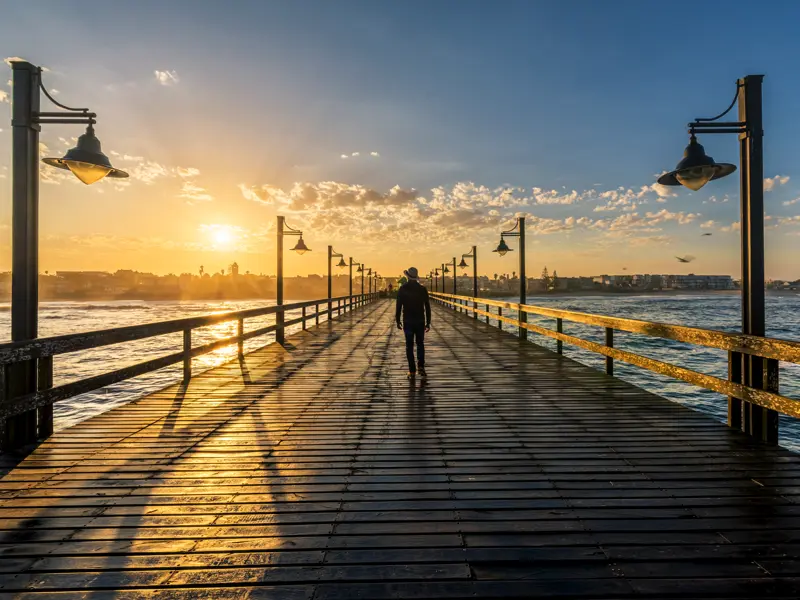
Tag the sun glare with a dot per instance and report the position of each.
(222, 237)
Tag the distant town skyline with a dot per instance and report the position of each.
(402, 133)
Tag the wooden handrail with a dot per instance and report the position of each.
(42, 350)
(771, 349)
(785, 350)
(11, 352)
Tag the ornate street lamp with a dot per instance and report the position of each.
(694, 171)
(463, 264)
(331, 255)
(301, 248)
(352, 264)
(88, 163)
(502, 248)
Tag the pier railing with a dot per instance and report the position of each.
(753, 408)
(25, 418)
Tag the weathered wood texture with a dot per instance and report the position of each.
(318, 472)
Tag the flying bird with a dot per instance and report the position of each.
(624, 268)
(702, 234)
(685, 259)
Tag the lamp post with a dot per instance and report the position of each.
(301, 248)
(502, 248)
(341, 264)
(694, 171)
(88, 163)
(352, 264)
(369, 279)
(436, 280)
(455, 277)
(463, 264)
(445, 271)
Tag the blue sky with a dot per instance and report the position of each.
(473, 105)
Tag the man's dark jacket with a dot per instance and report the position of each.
(413, 303)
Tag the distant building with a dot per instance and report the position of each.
(699, 282)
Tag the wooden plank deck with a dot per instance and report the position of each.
(319, 472)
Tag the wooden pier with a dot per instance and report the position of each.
(317, 471)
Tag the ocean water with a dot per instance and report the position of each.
(60, 318)
(713, 311)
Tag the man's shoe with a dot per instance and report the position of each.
(422, 372)
(411, 374)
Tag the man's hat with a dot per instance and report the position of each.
(411, 273)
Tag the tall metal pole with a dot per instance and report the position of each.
(757, 421)
(279, 319)
(330, 281)
(362, 282)
(444, 280)
(523, 316)
(475, 277)
(455, 289)
(350, 287)
(21, 429)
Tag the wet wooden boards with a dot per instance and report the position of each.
(318, 471)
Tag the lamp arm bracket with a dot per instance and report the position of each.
(56, 102)
(727, 110)
(290, 230)
(511, 232)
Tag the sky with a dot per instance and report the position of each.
(404, 132)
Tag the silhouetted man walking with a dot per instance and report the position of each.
(415, 307)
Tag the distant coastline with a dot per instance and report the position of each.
(484, 294)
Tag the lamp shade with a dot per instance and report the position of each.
(463, 264)
(341, 264)
(360, 269)
(86, 160)
(445, 270)
(301, 247)
(696, 168)
(502, 248)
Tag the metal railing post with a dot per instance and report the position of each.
(499, 314)
(769, 432)
(304, 318)
(240, 335)
(45, 382)
(187, 355)
(734, 376)
(560, 329)
(316, 314)
(609, 344)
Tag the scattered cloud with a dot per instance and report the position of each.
(375, 154)
(3, 96)
(166, 77)
(708, 224)
(187, 172)
(541, 196)
(54, 92)
(193, 193)
(12, 59)
(735, 226)
(356, 154)
(771, 182)
(348, 211)
(790, 202)
(345, 156)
